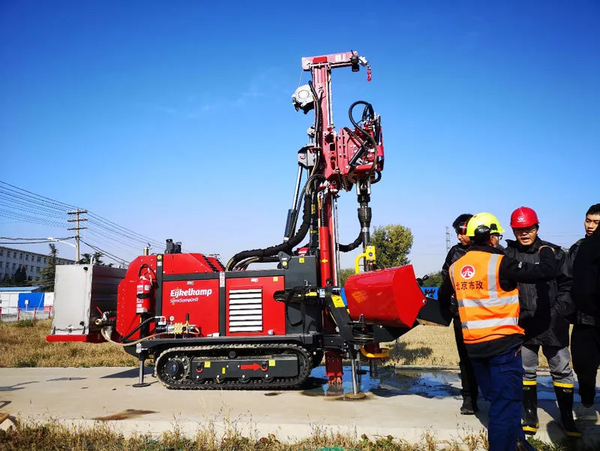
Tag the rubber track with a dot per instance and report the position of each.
(253, 384)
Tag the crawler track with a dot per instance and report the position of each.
(219, 352)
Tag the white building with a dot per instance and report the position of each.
(13, 259)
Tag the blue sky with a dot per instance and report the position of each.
(174, 118)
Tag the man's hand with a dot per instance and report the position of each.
(543, 246)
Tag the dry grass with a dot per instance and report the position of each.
(54, 436)
(430, 346)
(24, 345)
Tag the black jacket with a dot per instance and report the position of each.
(510, 273)
(586, 280)
(455, 252)
(545, 303)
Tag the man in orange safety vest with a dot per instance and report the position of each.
(484, 282)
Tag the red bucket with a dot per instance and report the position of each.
(391, 297)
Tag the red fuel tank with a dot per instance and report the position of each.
(391, 297)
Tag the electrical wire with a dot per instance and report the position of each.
(25, 206)
(108, 254)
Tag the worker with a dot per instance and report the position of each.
(484, 282)
(467, 376)
(585, 339)
(542, 306)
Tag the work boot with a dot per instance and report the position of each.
(469, 406)
(564, 397)
(586, 413)
(530, 420)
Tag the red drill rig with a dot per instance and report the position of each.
(210, 326)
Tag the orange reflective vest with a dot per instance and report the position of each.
(486, 311)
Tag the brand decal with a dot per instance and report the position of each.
(179, 295)
(467, 272)
(521, 219)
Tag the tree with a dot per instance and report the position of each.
(7, 281)
(392, 245)
(20, 277)
(344, 274)
(49, 272)
(434, 279)
(89, 259)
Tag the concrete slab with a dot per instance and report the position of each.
(406, 404)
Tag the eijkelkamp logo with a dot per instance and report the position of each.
(179, 295)
(467, 272)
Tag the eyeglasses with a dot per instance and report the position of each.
(525, 231)
(498, 236)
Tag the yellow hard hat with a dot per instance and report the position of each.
(483, 223)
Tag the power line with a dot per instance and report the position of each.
(26, 242)
(35, 239)
(25, 206)
(108, 254)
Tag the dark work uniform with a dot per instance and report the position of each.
(543, 306)
(585, 340)
(467, 375)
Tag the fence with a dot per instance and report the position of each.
(15, 314)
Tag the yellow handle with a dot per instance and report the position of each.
(384, 354)
(369, 255)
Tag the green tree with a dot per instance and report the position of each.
(49, 272)
(434, 279)
(392, 245)
(344, 274)
(20, 277)
(88, 259)
(7, 281)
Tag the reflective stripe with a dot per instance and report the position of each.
(493, 322)
(492, 302)
(564, 385)
(529, 382)
(492, 286)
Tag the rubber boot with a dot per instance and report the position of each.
(530, 419)
(469, 405)
(564, 397)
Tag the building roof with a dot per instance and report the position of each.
(22, 289)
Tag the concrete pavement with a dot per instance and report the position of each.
(406, 404)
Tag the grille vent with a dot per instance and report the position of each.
(245, 310)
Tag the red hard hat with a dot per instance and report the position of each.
(523, 217)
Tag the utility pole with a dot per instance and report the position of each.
(77, 219)
(448, 245)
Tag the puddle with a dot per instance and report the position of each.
(430, 384)
(58, 379)
(125, 415)
(319, 387)
(398, 382)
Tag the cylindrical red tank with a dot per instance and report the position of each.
(390, 297)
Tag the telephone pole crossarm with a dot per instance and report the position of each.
(77, 220)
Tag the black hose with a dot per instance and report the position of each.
(368, 113)
(318, 114)
(143, 323)
(350, 247)
(283, 247)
